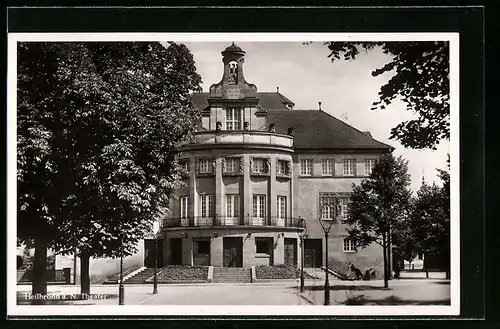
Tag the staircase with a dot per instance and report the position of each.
(232, 275)
(141, 277)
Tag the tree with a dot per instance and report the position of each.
(421, 81)
(378, 204)
(405, 245)
(430, 219)
(116, 159)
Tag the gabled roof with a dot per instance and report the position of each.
(267, 101)
(316, 129)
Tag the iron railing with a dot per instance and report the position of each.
(217, 220)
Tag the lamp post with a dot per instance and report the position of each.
(156, 230)
(121, 288)
(326, 225)
(303, 226)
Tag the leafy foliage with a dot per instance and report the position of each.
(430, 218)
(99, 125)
(379, 203)
(421, 81)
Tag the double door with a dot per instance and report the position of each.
(232, 252)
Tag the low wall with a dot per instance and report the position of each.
(100, 268)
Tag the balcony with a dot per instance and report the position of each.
(238, 137)
(199, 221)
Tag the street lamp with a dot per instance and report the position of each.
(326, 225)
(156, 230)
(303, 226)
(121, 287)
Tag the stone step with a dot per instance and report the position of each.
(141, 277)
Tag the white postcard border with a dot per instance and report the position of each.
(220, 310)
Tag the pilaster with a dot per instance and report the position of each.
(193, 196)
(246, 198)
(272, 197)
(279, 251)
(219, 189)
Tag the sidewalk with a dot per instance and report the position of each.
(99, 295)
(265, 293)
(400, 292)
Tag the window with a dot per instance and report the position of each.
(233, 119)
(369, 163)
(281, 207)
(262, 245)
(206, 206)
(327, 167)
(206, 166)
(344, 208)
(232, 165)
(349, 167)
(327, 204)
(202, 246)
(306, 167)
(184, 206)
(259, 206)
(232, 205)
(349, 245)
(258, 166)
(282, 167)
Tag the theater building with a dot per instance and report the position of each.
(256, 166)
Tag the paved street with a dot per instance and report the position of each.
(170, 294)
(228, 294)
(401, 292)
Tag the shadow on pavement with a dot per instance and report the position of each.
(346, 287)
(393, 300)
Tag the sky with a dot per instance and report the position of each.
(346, 90)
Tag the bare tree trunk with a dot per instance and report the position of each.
(84, 273)
(389, 259)
(448, 260)
(426, 267)
(39, 283)
(384, 247)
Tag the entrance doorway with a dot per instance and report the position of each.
(150, 251)
(176, 251)
(233, 252)
(313, 255)
(291, 252)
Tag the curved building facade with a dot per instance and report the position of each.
(254, 168)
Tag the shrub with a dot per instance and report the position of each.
(183, 272)
(280, 271)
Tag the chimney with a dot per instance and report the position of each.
(319, 103)
(291, 131)
(278, 89)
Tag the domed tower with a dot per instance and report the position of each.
(233, 84)
(237, 181)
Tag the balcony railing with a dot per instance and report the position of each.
(243, 137)
(199, 221)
